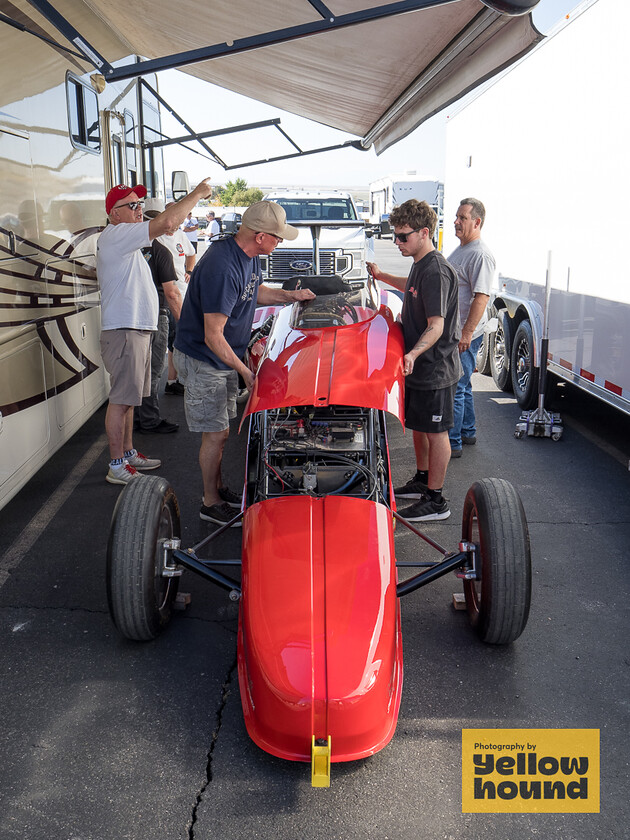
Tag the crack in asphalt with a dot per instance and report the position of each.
(225, 693)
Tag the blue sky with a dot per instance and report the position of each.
(422, 153)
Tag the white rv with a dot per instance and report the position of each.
(544, 148)
(62, 146)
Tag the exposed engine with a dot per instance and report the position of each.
(317, 451)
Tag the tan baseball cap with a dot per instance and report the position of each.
(269, 217)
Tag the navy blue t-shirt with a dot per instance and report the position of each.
(224, 280)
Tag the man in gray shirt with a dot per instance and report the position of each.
(475, 267)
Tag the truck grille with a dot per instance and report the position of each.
(279, 263)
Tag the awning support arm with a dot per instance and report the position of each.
(277, 36)
(71, 34)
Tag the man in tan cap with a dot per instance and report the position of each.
(213, 333)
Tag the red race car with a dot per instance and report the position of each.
(319, 639)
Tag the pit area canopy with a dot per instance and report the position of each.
(373, 69)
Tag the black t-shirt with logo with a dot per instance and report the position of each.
(160, 262)
(431, 291)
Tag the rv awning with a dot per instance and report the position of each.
(377, 79)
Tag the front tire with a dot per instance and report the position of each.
(498, 601)
(500, 345)
(483, 356)
(140, 599)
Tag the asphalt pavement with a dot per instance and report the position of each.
(107, 739)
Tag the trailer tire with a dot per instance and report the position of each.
(140, 599)
(524, 373)
(499, 350)
(494, 520)
(483, 356)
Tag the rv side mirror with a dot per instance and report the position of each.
(180, 184)
(369, 233)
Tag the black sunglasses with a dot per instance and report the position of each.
(132, 205)
(404, 236)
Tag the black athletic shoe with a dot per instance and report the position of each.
(469, 441)
(411, 490)
(426, 511)
(230, 497)
(175, 389)
(221, 514)
(164, 427)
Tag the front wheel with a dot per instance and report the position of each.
(140, 598)
(498, 600)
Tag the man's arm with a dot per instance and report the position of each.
(435, 328)
(214, 324)
(477, 308)
(190, 264)
(169, 220)
(399, 283)
(268, 296)
(173, 298)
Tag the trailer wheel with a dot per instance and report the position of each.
(499, 350)
(524, 373)
(483, 356)
(494, 520)
(139, 597)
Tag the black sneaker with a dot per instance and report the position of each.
(221, 514)
(411, 490)
(230, 497)
(469, 441)
(425, 511)
(175, 388)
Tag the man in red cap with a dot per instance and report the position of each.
(129, 314)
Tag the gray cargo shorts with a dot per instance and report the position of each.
(210, 399)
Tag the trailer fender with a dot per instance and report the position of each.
(517, 309)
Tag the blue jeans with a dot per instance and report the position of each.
(464, 407)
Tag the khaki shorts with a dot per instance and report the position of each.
(210, 399)
(127, 358)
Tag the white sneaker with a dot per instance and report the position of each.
(141, 462)
(122, 474)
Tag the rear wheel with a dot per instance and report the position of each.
(498, 600)
(499, 350)
(140, 598)
(483, 356)
(524, 373)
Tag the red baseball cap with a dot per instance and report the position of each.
(121, 191)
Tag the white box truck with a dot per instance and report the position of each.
(389, 192)
(544, 148)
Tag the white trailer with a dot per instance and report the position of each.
(389, 192)
(545, 149)
(62, 146)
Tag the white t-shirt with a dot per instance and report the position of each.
(213, 229)
(180, 247)
(193, 235)
(129, 299)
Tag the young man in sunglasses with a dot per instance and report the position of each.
(129, 314)
(431, 361)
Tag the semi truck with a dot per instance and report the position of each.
(543, 147)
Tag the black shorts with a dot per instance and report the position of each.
(429, 411)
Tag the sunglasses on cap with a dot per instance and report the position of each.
(132, 205)
(402, 237)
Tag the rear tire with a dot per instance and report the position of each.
(498, 601)
(140, 599)
(483, 356)
(524, 373)
(499, 349)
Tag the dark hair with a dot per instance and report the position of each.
(477, 210)
(416, 214)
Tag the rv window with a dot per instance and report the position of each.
(83, 118)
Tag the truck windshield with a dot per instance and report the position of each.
(317, 209)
